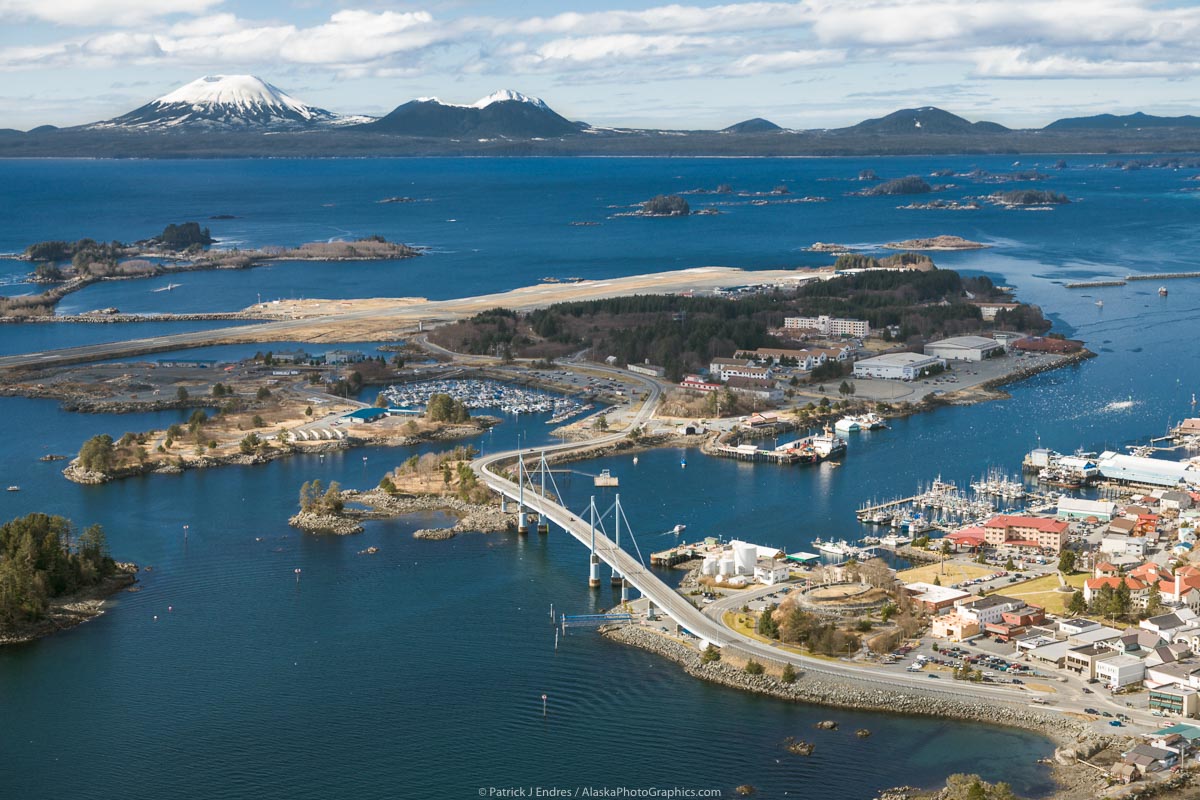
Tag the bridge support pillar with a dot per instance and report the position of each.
(594, 572)
(543, 527)
(649, 608)
(522, 523)
(624, 591)
(617, 580)
(503, 504)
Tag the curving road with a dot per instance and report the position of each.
(678, 607)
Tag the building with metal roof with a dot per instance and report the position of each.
(965, 348)
(1148, 471)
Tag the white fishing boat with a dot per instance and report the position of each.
(838, 549)
(870, 421)
(826, 444)
(14, 488)
(1099, 304)
(678, 529)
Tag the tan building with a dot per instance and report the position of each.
(1015, 531)
(954, 627)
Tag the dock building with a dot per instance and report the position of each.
(965, 348)
(897, 366)
(1146, 471)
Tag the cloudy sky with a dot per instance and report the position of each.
(814, 63)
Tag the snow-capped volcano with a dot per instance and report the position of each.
(508, 95)
(225, 102)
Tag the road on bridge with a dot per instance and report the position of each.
(678, 607)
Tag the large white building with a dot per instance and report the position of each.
(829, 326)
(896, 366)
(965, 348)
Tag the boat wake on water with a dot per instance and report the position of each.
(1118, 405)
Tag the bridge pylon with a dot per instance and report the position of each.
(522, 518)
(617, 580)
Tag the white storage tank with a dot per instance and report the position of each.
(744, 557)
(728, 566)
(710, 565)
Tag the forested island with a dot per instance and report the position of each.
(1029, 197)
(71, 266)
(50, 578)
(683, 334)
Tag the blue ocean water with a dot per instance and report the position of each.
(418, 671)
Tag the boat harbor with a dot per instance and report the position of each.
(475, 393)
(943, 506)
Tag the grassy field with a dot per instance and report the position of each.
(955, 572)
(1042, 592)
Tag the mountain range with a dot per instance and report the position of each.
(230, 114)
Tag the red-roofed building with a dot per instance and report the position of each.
(1039, 532)
(967, 537)
(1105, 570)
(1137, 589)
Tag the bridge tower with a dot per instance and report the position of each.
(617, 580)
(594, 560)
(543, 525)
(522, 519)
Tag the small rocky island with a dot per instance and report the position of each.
(942, 242)
(52, 579)
(431, 482)
(665, 205)
(911, 184)
(1029, 197)
(71, 266)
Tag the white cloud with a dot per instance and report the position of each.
(100, 12)
(674, 18)
(786, 60)
(356, 36)
(1015, 63)
(615, 47)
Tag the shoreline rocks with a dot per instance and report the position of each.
(76, 609)
(325, 523)
(472, 517)
(849, 693)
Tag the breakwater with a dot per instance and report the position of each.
(850, 692)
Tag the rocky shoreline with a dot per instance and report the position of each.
(67, 612)
(472, 517)
(847, 693)
(74, 473)
(1073, 739)
(378, 504)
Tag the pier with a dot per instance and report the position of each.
(750, 452)
(1091, 284)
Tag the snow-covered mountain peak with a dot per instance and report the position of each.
(505, 95)
(238, 91)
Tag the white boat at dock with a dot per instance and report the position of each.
(838, 549)
(869, 421)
